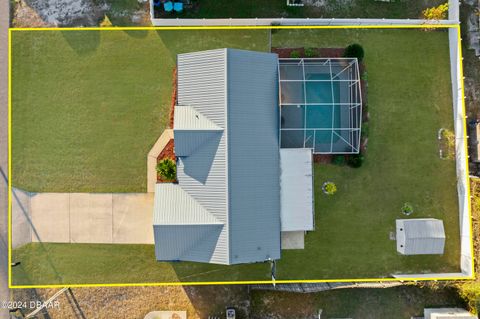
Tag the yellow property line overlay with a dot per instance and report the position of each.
(405, 279)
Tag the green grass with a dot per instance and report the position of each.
(88, 106)
(396, 9)
(409, 99)
(102, 263)
(393, 303)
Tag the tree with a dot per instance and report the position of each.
(167, 169)
(354, 51)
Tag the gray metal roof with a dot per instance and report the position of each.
(420, 236)
(228, 116)
(296, 183)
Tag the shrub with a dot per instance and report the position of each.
(106, 22)
(436, 13)
(338, 160)
(295, 54)
(470, 292)
(354, 51)
(329, 188)
(355, 160)
(167, 169)
(407, 208)
(311, 52)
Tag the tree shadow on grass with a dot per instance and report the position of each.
(138, 34)
(82, 42)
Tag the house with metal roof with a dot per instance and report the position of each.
(239, 197)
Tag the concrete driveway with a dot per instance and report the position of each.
(82, 218)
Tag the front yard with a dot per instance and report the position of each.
(88, 106)
(85, 115)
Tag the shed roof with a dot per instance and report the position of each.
(296, 184)
(228, 102)
(421, 236)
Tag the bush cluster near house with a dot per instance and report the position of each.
(354, 51)
(167, 169)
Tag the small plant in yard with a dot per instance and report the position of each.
(407, 209)
(355, 160)
(329, 188)
(311, 52)
(167, 169)
(436, 13)
(295, 54)
(447, 143)
(354, 51)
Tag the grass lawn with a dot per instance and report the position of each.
(88, 106)
(396, 9)
(393, 303)
(409, 99)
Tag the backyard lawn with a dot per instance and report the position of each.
(409, 100)
(92, 134)
(396, 9)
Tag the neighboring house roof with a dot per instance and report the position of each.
(296, 184)
(226, 206)
(445, 313)
(420, 236)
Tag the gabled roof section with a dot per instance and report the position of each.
(174, 206)
(421, 236)
(190, 119)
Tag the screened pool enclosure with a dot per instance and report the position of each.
(320, 104)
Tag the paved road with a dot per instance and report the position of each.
(4, 21)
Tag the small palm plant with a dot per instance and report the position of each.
(167, 169)
(407, 209)
(329, 188)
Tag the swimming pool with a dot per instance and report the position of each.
(317, 108)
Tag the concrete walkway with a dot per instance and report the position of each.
(82, 218)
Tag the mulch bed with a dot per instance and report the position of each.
(321, 52)
(322, 158)
(174, 98)
(167, 152)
